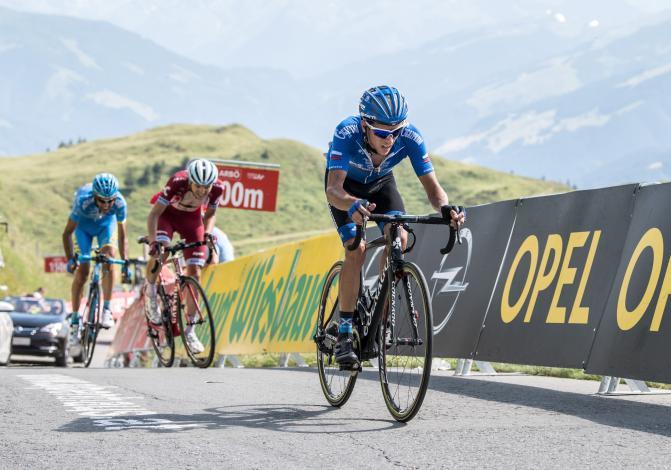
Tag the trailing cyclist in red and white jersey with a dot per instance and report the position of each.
(178, 209)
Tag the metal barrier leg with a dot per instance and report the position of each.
(235, 362)
(464, 367)
(609, 385)
(612, 386)
(485, 367)
(284, 360)
(638, 386)
(604, 385)
(135, 360)
(460, 366)
(440, 364)
(299, 360)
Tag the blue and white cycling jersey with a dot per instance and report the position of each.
(85, 211)
(348, 152)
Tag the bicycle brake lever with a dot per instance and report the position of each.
(450, 242)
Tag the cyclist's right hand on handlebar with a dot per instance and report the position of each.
(455, 214)
(71, 267)
(154, 248)
(359, 210)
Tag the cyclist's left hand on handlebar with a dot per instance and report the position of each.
(456, 215)
(210, 238)
(125, 273)
(360, 209)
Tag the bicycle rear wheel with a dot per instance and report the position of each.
(336, 384)
(91, 326)
(161, 336)
(192, 298)
(405, 344)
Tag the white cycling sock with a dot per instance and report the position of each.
(151, 290)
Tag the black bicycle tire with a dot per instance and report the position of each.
(411, 411)
(167, 325)
(89, 343)
(340, 400)
(213, 339)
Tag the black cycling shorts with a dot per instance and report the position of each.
(383, 192)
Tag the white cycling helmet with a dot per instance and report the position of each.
(202, 172)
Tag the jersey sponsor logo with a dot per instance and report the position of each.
(335, 158)
(412, 135)
(347, 131)
(426, 159)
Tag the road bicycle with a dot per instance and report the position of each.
(392, 324)
(89, 322)
(176, 299)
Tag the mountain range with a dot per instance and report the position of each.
(550, 89)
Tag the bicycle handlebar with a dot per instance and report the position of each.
(179, 246)
(455, 235)
(100, 258)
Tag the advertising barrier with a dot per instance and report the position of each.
(634, 337)
(559, 266)
(131, 331)
(578, 280)
(268, 302)
(461, 283)
(265, 302)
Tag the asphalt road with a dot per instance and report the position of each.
(266, 418)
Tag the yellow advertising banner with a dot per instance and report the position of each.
(268, 302)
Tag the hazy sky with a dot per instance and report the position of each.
(267, 33)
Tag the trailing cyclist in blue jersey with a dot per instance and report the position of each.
(359, 180)
(97, 210)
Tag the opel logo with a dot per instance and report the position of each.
(450, 280)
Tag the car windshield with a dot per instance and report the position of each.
(36, 306)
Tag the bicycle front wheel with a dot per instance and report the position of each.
(337, 384)
(91, 319)
(162, 338)
(195, 317)
(405, 342)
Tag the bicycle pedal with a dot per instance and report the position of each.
(353, 367)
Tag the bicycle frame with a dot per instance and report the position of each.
(373, 312)
(98, 260)
(176, 293)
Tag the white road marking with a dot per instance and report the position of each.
(101, 405)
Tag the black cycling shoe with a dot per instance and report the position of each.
(344, 350)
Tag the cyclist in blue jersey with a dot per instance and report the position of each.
(98, 208)
(359, 181)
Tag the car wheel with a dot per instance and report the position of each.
(62, 359)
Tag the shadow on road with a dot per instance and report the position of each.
(293, 418)
(616, 412)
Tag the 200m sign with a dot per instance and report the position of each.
(249, 188)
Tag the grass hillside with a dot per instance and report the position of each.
(37, 191)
